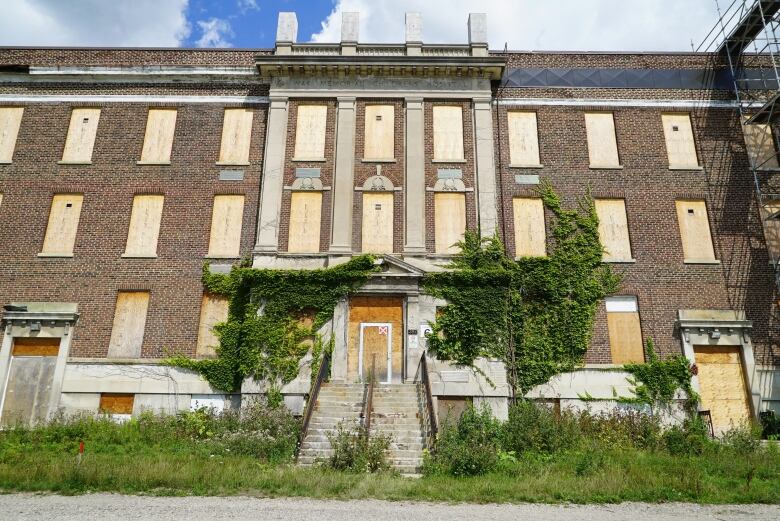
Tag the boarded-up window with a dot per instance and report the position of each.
(625, 331)
(144, 226)
(116, 403)
(158, 140)
(450, 408)
(127, 334)
(310, 132)
(680, 146)
(63, 224)
(523, 139)
(377, 234)
(447, 133)
(695, 230)
(760, 144)
(450, 218)
(602, 142)
(529, 227)
(10, 121)
(226, 220)
(380, 132)
(81, 136)
(305, 218)
(613, 229)
(236, 136)
(213, 310)
(770, 215)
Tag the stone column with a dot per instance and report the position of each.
(344, 180)
(486, 166)
(413, 346)
(273, 178)
(414, 185)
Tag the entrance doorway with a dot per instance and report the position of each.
(375, 334)
(722, 383)
(27, 390)
(376, 351)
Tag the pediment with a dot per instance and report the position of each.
(393, 266)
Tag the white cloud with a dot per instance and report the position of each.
(130, 23)
(247, 5)
(569, 25)
(214, 33)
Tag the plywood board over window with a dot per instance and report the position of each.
(236, 137)
(695, 230)
(310, 132)
(226, 221)
(380, 132)
(116, 403)
(305, 218)
(144, 229)
(158, 140)
(602, 142)
(530, 239)
(523, 139)
(213, 310)
(770, 216)
(63, 225)
(613, 229)
(625, 331)
(377, 236)
(450, 221)
(680, 146)
(760, 143)
(81, 135)
(10, 121)
(127, 334)
(447, 133)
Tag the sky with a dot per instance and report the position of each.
(570, 25)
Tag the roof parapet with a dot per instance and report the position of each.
(286, 32)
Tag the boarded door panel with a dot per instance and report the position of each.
(213, 310)
(722, 383)
(144, 227)
(375, 310)
(81, 136)
(158, 140)
(227, 217)
(450, 218)
(602, 143)
(116, 403)
(10, 121)
(305, 218)
(236, 137)
(447, 133)
(127, 335)
(375, 344)
(310, 132)
(63, 224)
(760, 145)
(377, 234)
(680, 146)
(529, 227)
(523, 139)
(380, 132)
(613, 229)
(694, 230)
(30, 377)
(772, 227)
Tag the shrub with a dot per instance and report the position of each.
(536, 428)
(689, 439)
(621, 428)
(469, 447)
(743, 440)
(770, 425)
(354, 451)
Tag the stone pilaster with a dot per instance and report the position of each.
(414, 185)
(344, 180)
(486, 166)
(273, 177)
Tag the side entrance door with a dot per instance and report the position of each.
(722, 383)
(27, 391)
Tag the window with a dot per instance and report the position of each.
(523, 139)
(613, 229)
(680, 146)
(380, 132)
(10, 121)
(213, 310)
(450, 221)
(127, 334)
(760, 145)
(602, 143)
(116, 404)
(310, 133)
(144, 226)
(63, 224)
(770, 216)
(530, 238)
(81, 136)
(226, 222)
(236, 137)
(305, 216)
(377, 234)
(447, 133)
(625, 331)
(158, 140)
(695, 231)
(451, 408)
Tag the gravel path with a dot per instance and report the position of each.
(106, 507)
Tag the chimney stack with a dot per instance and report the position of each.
(478, 34)
(413, 34)
(286, 32)
(350, 28)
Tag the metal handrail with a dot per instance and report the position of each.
(368, 406)
(314, 392)
(425, 380)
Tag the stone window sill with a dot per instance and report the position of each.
(526, 166)
(370, 160)
(231, 163)
(153, 163)
(137, 256)
(445, 161)
(309, 159)
(5, 162)
(619, 261)
(701, 261)
(606, 167)
(63, 162)
(221, 257)
(55, 255)
(689, 168)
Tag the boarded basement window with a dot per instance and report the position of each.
(450, 408)
(523, 139)
(305, 217)
(144, 226)
(10, 121)
(613, 229)
(310, 132)
(760, 143)
(447, 133)
(116, 403)
(158, 140)
(63, 224)
(695, 230)
(226, 221)
(213, 310)
(602, 142)
(377, 221)
(680, 147)
(380, 132)
(625, 331)
(530, 240)
(81, 136)
(450, 219)
(236, 137)
(127, 334)
(770, 216)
